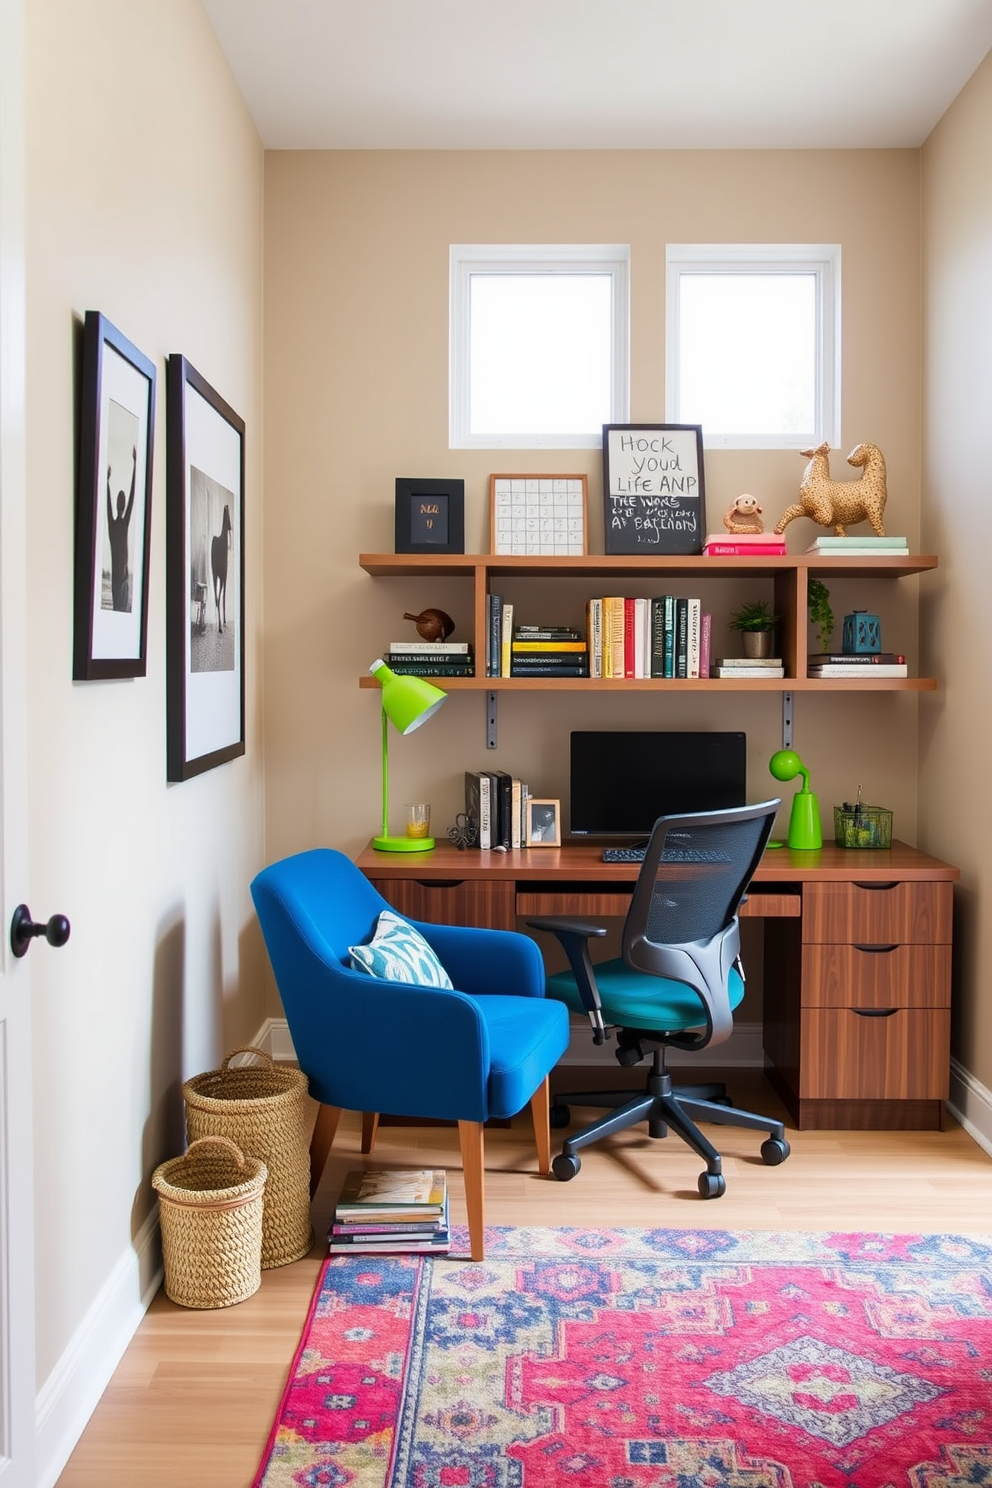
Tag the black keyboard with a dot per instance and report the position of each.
(670, 855)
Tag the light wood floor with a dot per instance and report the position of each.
(191, 1403)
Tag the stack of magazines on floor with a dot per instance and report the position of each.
(389, 1210)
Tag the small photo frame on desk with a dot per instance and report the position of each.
(540, 515)
(430, 516)
(543, 823)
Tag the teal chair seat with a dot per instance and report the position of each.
(632, 1000)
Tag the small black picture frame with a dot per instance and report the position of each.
(116, 432)
(205, 575)
(430, 516)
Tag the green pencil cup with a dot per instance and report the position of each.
(869, 826)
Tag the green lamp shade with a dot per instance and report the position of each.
(407, 702)
(805, 831)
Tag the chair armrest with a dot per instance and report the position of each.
(487, 961)
(574, 936)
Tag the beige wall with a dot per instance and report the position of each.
(145, 183)
(356, 328)
(954, 735)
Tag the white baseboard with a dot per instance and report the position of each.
(273, 1037)
(970, 1103)
(70, 1394)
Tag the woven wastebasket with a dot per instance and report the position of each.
(263, 1108)
(210, 1209)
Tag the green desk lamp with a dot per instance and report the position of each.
(408, 702)
(805, 832)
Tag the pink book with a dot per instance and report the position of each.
(733, 549)
(705, 633)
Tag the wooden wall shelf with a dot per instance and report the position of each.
(790, 574)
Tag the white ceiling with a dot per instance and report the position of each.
(599, 74)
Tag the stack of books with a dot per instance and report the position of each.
(497, 802)
(860, 546)
(548, 651)
(748, 666)
(666, 635)
(744, 545)
(430, 658)
(863, 664)
(385, 1210)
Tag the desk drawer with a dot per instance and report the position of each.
(876, 914)
(882, 976)
(847, 1055)
(485, 902)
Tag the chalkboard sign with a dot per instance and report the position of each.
(653, 488)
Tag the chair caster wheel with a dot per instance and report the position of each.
(711, 1185)
(565, 1167)
(775, 1151)
(559, 1116)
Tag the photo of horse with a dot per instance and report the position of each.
(213, 579)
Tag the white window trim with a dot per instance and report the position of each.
(821, 259)
(544, 258)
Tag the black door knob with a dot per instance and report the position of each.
(23, 930)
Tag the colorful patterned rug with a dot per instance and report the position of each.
(646, 1359)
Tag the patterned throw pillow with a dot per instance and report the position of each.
(399, 953)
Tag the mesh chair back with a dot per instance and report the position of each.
(695, 873)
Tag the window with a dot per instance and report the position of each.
(538, 345)
(753, 343)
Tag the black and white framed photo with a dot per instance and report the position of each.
(430, 516)
(653, 488)
(543, 825)
(205, 574)
(113, 505)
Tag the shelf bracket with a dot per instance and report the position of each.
(490, 720)
(787, 720)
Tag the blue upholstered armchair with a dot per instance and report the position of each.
(481, 1048)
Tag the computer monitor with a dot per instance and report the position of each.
(621, 781)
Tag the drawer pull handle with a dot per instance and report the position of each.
(440, 883)
(875, 1012)
(876, 950)
(877, 886)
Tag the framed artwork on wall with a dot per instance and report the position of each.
(113, 505)
(430, 516)
(205, 575)
(543, 515)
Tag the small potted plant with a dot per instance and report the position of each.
(756, 624)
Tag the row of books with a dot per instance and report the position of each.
(430, 658)
(772, 545)
(497, 802)
(388, 1210)
(664, 636)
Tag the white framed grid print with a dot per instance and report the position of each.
(538, 515)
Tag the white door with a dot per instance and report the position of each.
(17, 1365)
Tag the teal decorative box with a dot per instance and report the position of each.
(862, 633)
(863, 826)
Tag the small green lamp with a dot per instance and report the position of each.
(407, 702)
(805, 832)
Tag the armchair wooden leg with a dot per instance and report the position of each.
(473, 1166)
(324, 1130)
(540, 1110)
(370, 1125)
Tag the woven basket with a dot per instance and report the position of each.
(210, 1209)
(265, 1109)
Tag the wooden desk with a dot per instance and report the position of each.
(857, 986)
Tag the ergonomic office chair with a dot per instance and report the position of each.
(459, 1030)
(677, 983)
